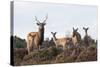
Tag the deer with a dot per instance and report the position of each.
(35, 39)
(76, 37)
(60, 41)
(87, 39)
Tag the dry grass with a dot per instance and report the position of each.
(55, 55)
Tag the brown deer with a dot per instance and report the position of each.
(35, 39)
(60, 41)
(76, 37)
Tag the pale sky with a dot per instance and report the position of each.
(61, 18)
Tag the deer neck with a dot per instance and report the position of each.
(78, 36)
(41, 35)
(54, 38)
(86, 33)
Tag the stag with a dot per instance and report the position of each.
(35, 39)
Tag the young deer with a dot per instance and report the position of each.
(60, 41)
(76, 37)
(87, 39)
(35, 39)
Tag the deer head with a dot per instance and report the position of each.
(54, 34)
(41, 24)
(74, 31)
(85, 29)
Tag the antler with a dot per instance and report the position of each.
(45, 18)
(36, 19)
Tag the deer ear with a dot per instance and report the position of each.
(83, 28)
(73, 29)
(76, 29)
(55, 32)
(87, 28)
(37, 23)
(44, 23)
(52, 33)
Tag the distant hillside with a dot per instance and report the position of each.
(18, 42)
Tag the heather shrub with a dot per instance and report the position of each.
(19, 53)
(42, 56)
(90, 54)
(55, 55)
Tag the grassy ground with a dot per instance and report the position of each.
(55, 55)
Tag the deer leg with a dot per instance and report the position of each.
(64, 47)
(39, 47)
(32, 45)
(56, 45)
(28, 48)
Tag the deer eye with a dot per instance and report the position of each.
(37, 23)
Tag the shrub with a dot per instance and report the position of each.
(55, 55)
(18, 42)
(60, 58)
(42, 56)
(90, 54)
(65, 57)
(19, 53)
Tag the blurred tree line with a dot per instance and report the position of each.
(18, 42)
